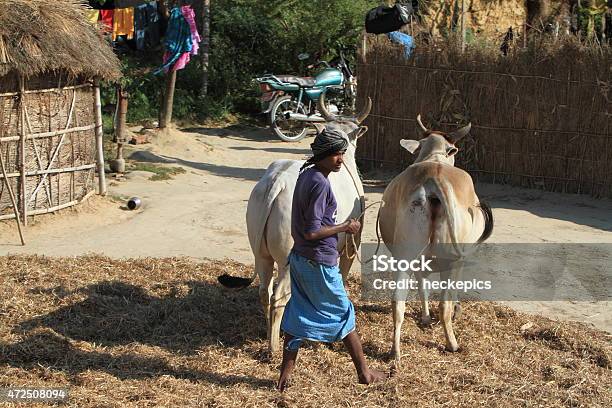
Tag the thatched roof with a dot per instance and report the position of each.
(39, 36)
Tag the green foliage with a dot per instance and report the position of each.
(143, 87)
(253, 37)
(248, 38)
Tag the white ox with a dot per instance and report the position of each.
(269, 220)
(431, 202)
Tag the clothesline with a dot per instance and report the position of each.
(181, 38)
(135, 19)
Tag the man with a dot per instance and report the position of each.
(319, 308)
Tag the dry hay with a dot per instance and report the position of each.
(40, 36)
(161, 332)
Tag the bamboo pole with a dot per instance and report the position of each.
(39, 91)
(52, 171)
(49, 134)
(462, 26)
(51, 209)
(57, 149)
(99, 138)
(8, 185)
(13, 200)
(22, 142)
(38, 159)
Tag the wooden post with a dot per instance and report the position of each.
(99, 132)
(118, 165)
(364, 47)
(22, 143)
(462, 26)
(166, 116)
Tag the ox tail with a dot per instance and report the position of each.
(441, 201)
(258, 210)
(488, 219)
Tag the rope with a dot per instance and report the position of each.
(345, 250)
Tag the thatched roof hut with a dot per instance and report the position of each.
(38, 36)
(50, 129)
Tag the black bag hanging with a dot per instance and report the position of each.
(383, 19)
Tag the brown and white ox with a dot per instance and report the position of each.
(430, 203)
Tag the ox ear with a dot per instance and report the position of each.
(410, 145)
(361, 131)
(319, 126)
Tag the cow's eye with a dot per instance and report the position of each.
(451, 150)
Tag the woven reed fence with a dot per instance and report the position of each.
(541, 116)
(47, 143)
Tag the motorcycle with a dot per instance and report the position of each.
(291, 101)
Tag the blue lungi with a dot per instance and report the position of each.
(319, 308)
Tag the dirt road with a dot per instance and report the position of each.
(200, 214)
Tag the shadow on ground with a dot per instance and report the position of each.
(189, 317)
(241, 173)
(288, 150)
(116, 313)
(49, 349)
(238, 132)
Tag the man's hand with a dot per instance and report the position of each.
(352, 226)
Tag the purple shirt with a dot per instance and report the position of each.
(314, 206)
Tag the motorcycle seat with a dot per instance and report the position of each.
(304, 82)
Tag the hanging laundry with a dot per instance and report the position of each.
(404, 39)
(123, 23)
(102, 4)
(189, 15)
(92, 15)
(146, 25)
(177, 41)
(184, 59)
(106, 18)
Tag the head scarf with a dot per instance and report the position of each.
(326, 143)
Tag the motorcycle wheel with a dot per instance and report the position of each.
(289, 130)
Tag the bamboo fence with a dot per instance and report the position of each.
(541, 116)
(48, 144)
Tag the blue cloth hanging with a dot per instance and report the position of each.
(177, 40)
(403, 39)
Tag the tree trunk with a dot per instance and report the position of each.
(205, 45)
(166, 114)
(167, 99)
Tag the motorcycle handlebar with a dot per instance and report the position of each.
(311, 66)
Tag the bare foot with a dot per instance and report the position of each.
(283, 383)
(371, 376)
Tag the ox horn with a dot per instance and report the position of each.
(421, 123)
(330, 117)
(460, 133)
(361, 116)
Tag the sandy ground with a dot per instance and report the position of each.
(200, 214)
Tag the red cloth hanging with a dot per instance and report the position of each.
(106, 18)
